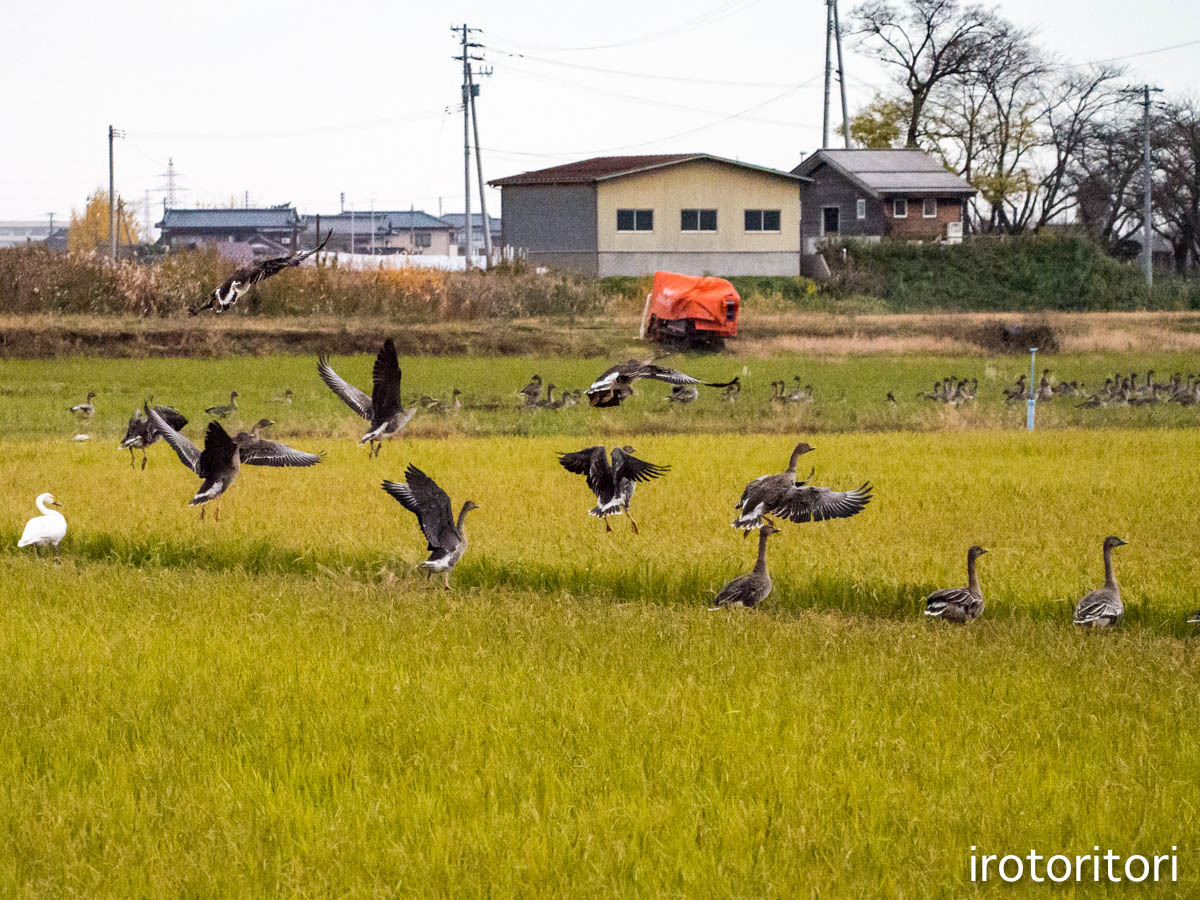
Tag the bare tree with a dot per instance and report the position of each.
(1177, 197)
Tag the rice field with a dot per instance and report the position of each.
(279, 704)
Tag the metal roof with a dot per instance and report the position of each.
(888, 171)
(272, 217)
(456, 219)
(601, 168)
(396, 220)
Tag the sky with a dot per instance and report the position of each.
(296, 102)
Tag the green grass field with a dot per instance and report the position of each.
(278, 704)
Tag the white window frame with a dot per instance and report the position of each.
(925, 213)
(896, 201)
(860, 209)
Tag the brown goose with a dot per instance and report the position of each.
(612, 483)
(532, 391)
(616, 384)
(140, 433)
(86, 409)
(782, 495)
(683, 393)
(286, 398)
(1103, 607)
(752, 589)
(237, 284)
(222, 412)
(221, 460)
(383, 408)
(446, 538)
(959, 605)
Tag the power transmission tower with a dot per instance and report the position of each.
(113, 134)
(833, 31)
(1148, 211)
(172, 189)
(464, 31)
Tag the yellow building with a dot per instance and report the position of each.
(634, 215)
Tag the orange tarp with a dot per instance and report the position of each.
(703, 299)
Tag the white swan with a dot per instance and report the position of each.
(45, 530)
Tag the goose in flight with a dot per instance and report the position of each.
(1103, 607)
(219, 463)
(383, 408)
(140, 433)
(240, 282)
(445, 536)
(46, 530)
(86, 409)
(782, 495)
(616, 384)
(612, 482)
(962, 604)
(752, 589)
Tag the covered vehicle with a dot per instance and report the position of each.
(690, 310)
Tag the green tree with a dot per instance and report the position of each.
(880, 124)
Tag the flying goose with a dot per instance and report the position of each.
(140, 433)
(286, 398)
(959, 605)
(446, 538)
(237, 284)
(222, 412)
(616, 384)
(46, 530)
(532, 391)
(1103, 607)
(383, 408)
(612, 483)
(782, 495)
(86, 409)
(751, 589)
(219, 463)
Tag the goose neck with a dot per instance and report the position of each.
(972, 577)
(1110, 580)
(760, 566)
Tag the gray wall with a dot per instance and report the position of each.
(554, 223)
(828, 188)
(700, 263)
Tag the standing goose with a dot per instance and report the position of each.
(616, 384)
(782, 495)
(86, 409)
(446, 538)
(46, 530)
(683, 393)
(223, 412)
(383, 408)
(752, 589)
(240, 282)
(959, 605)
(532, 391)
(612, 483)
(1103, 607)
(734, 390)
(140, 433)
(221, 460)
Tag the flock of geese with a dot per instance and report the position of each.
(1118, 390)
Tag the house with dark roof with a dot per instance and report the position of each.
(873, 194)
(634, 215)
(383, 231)
(240, 234)
(458, 238)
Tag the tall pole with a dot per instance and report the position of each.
(487, 232)
(828, 70)
(466, 99)
(1148, 224)
(352, 230)
(112, 201)
(837, 33)
(1032, 404)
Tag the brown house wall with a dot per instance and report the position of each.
(918, 228)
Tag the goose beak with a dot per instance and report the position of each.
(55, 503)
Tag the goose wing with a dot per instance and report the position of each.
(662, 373)
(815, 504)
(430, 504)
(1097, 605)
(188, 453)
(218, 453)
(349, 394)
(259, 452)
(385, 395)
(959, 596)
(591, 462)
(609, 377)
(172, 416)
(626, 466)
(268, 267)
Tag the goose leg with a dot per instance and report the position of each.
(217, 512)
(607, 526)
(131, 457)
(202, 508)
(143, 460)
(57, 561)
(446, 579)
(632, 522)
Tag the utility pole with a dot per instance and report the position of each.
(351, 230)
(1148, 210)
(837, 33)
(113, 134)
(828, 70)
(487, 232)
(372, 225)
(465, 32)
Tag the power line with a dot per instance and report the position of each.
(1096, 62)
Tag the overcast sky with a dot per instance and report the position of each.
(298, 102)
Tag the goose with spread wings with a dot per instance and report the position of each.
(797, 501)
(219, 463)
(612, 482)
(383, 408)
(616, 384)
(444, 535)
(232, 288)
(140, 433)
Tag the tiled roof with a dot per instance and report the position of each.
(888, 171)
(273, 217)
(397, 220)
(599, 168)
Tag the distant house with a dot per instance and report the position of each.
(458, 238)
(632, 215)
(239, 234)
(383, 231)
(18, 232)
(901, 194)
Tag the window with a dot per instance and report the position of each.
(929, 207)
(762, 220)
(635, 220)
(900, 208)
(698, 220)
(860, 209)
(422, 239)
